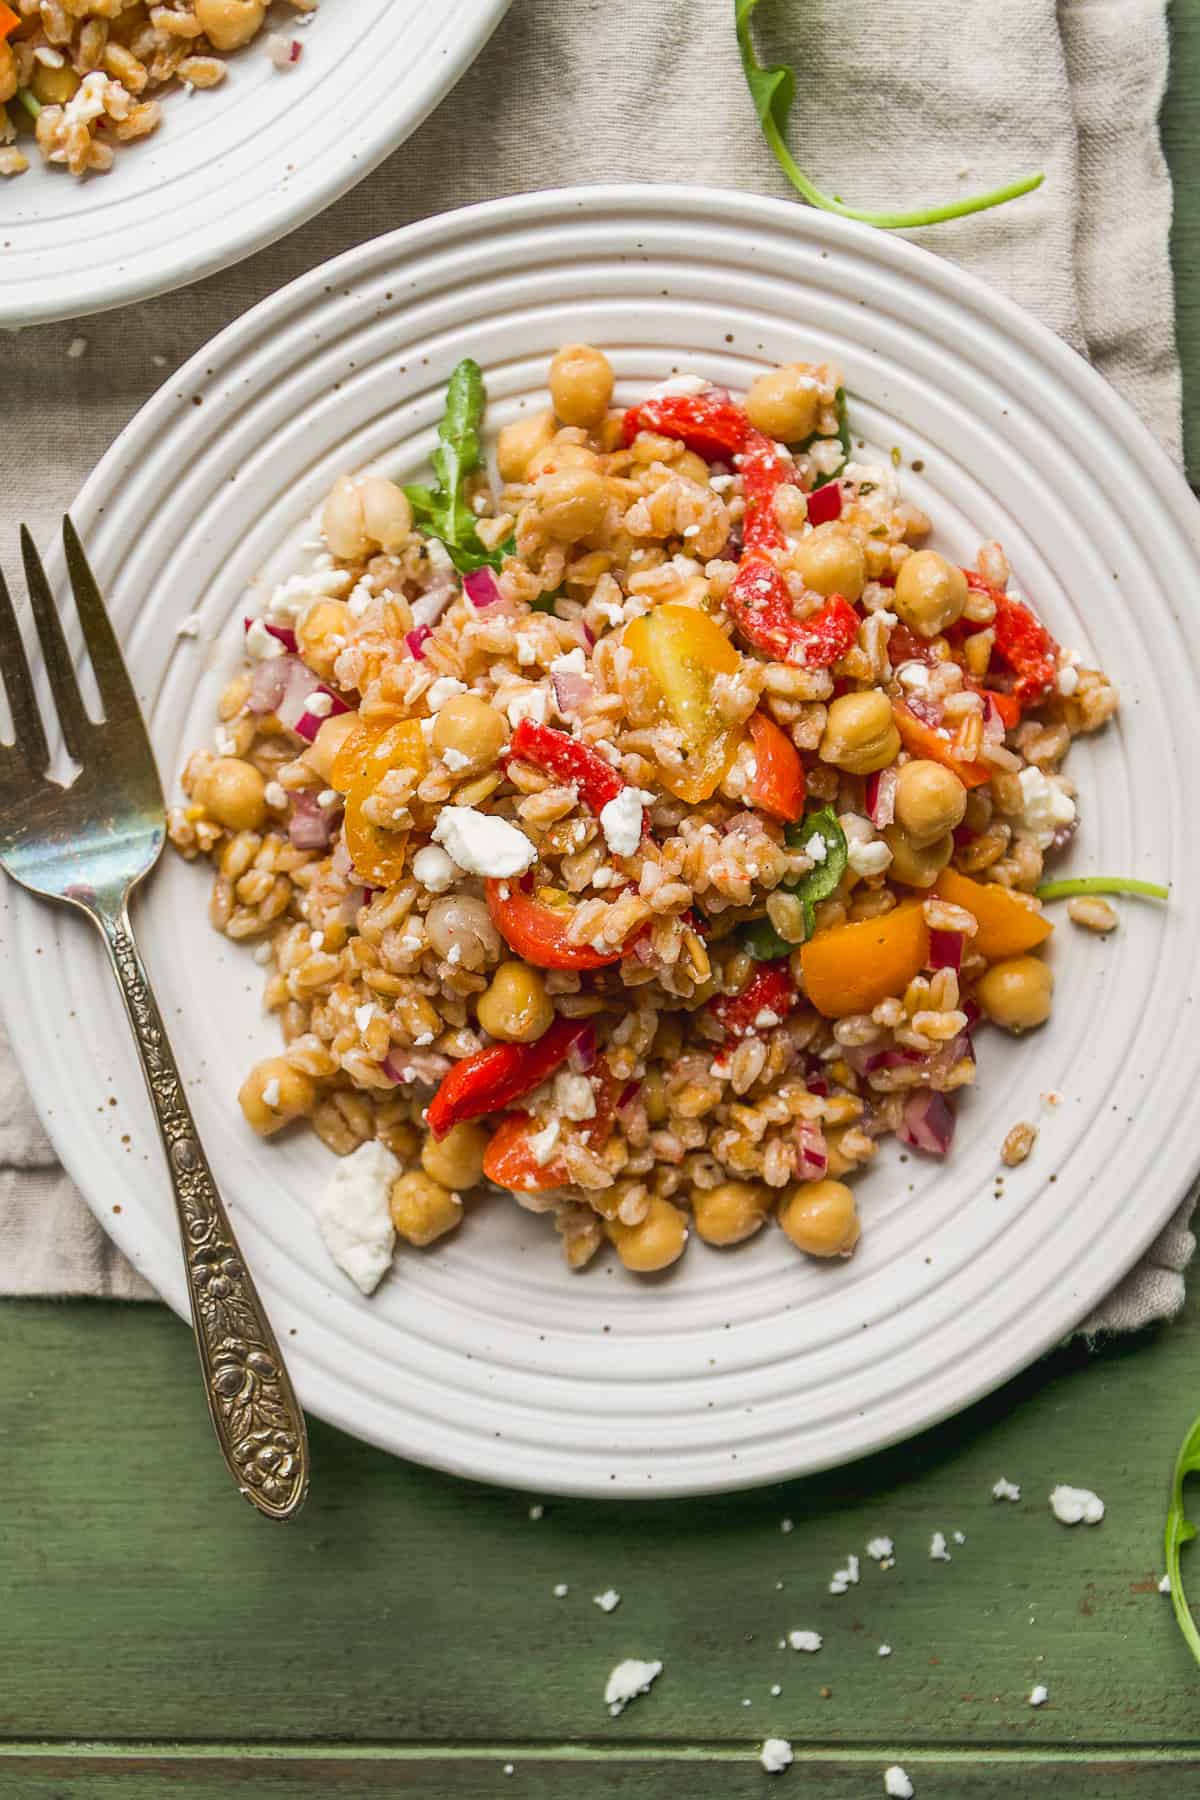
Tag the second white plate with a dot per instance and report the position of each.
(483, 1356)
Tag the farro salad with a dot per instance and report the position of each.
(644, 832)
(79, 78)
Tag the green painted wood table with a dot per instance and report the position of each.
(405, 1638)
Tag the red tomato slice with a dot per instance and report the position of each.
(778, 784)
(537, 933)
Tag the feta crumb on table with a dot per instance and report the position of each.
(561, 1590)
(786, 1525)
(884, 1650)
(1039, 1696)
(1005, 1490)
(776, 1755)
(353, 1217)
(805, 1640)
(1076, 1506)
(881, 1549)
(1164, 1586)
(537, 1511)
(937, 1548)
(627, 1680)
(608, 1601)
(897, 1784)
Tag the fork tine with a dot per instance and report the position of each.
(22, 703)
(112, 678)
(71, 714)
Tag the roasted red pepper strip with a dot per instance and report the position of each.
(492, 1079)
(560, 755)
(1021, 640)
(538, 934)
(761, 607)
(777, 786)
(763, 470)
(770, 995)
(708, 423)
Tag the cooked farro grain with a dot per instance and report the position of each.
(1094, 913)
(568, 815)
(1017, 1145)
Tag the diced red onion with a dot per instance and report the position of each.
(587, 634)
(292, 709)
(481, 587)
(267, 685)
(963, 835)
(825, 503)
(927, 1122)
(945, 949)
(993, 724)
(582, 1054)
(428, 607)
(881, 797)
(312, 826)
(973, 1014)
(415, 640)
(629, 1094)
(295, 50)
(926, 708)
(817, 1084)
(812, 1157)
(425, 1067)
(866, 1060)
(571, 691)
(284, 633)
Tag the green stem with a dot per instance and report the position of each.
(1101, 884)
(891, 221)
(30, 102)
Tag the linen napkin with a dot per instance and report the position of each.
(897, 106)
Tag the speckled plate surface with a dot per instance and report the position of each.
(483, 1355)
(230, 170)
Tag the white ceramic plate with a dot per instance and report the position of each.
(230, 170)
(484, 1356)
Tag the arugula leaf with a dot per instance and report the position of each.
(442, 511)
(774, 90)
(1100, 884)
(760, 937)
(843, 432)
(1178, 1531)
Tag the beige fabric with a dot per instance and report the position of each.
(898, 106)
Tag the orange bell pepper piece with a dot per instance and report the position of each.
(1006, 927)
(778, 785)
(9, 20)
(927, 741)
(683, 650)
(851, 968)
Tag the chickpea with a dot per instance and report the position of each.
(821, 1218)
(520, 442)
(422, 1209)
(457, 1161)
(860, 732)
(730, 1212)
(1016, 993)
(830, 561)
(342, 520)
(581, 385)
(930, 593)
(234, 793)
(930, 800)
(330, 737)
(386, 514)
(461, 922)
(572, 502)
(468, 727)
(228, 24)
(516, 1007)
(654, 1244)
(273, 1093)
(54, 87)
(917, 865)
(321, 635)
(784, 403)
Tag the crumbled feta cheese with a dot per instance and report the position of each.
(913, 675)
(270, 1093)
(225, 741)
(776, 1756)
(884, 1650)
(880, 1549)
(261, 645)
(528, 703)
(317, 941)
(571, 662)
(1068, 680)
(766, 1020)
(937, 1548)
(897, 1784)
(434, 869)
(721, 484)
(844, 1578)
(1005, 1490)
(869, 858)
(1164, 1586)
(561, 1590)
(786, 1525)
(574, 1096)
(77, 347)
(541, 1143)
(776, 1690)
(629, 1679)
(364, 1014)
(443, 689)
(292, 598)
(319, 704)
(359, 598)
(621, 820)
(353, 1216)
(679, 384)
(526, 649)
(275, 794)
(959, 1537)
(1045, 807)
(816, 848)
(455, 760)
(805, 1640)
(328, 797)
(1039, 1696)
(482, 843)
(1073, 1506)
(608, 1601)
(189, 627)
(537, 1511)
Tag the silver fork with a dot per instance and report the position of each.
(88, 845)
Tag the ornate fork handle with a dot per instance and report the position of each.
(255, 1414)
